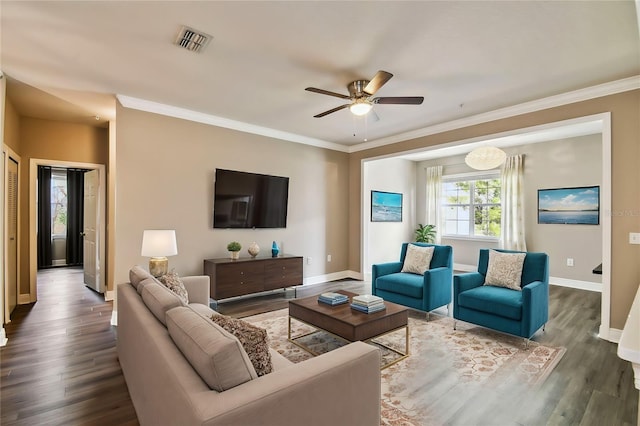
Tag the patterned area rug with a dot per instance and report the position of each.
(470, 357)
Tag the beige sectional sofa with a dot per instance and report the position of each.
(172, 373)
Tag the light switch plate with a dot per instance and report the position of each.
(634, 237)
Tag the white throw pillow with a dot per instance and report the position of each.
(417, 259)
(505, 269)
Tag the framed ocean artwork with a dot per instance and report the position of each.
(386, 206)
(569, 206)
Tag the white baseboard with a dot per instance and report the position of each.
(354, 275)
(581, 285)
(3, 337)
(464, 268)
(318, 279)
(24, 299)
(114, 318)
(611, 334)
(109, 295)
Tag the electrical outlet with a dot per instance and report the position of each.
(309, 261)
(634, 237)
(569, 261)
(328, 258)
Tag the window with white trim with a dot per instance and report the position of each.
(471, 206)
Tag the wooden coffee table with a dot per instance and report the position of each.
(349, 324)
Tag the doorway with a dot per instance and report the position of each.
(75, 250)
(60, 223)
(594, 124)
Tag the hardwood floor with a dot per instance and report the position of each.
(60, 365)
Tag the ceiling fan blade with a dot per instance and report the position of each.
(400, 100)
(377, 82)
(326, 92)
(322, 114)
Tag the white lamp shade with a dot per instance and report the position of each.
(485, 158)
(159, 243)
(360, 108)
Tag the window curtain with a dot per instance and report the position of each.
(434, 195)
(75, 216)
(44, 217)
(512, 234)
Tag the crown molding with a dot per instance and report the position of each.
(605, 89)
(213, 120)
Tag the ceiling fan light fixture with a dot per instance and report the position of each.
(485, 158)
(360, 107)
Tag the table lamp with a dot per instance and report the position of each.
(158, 244)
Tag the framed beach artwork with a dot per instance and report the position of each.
(386, 206)
(569, 206)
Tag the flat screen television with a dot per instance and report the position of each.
(250, 200)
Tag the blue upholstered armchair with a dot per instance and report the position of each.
(520, 313)
(423, 292)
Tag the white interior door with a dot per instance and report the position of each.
(12, 235)
(90, 231)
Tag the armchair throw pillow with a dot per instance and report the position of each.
(505, 269)
(418, 259)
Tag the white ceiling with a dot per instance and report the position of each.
(465, 58)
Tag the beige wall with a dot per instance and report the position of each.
(11, 127)
(553, 164)
(59, 141)
(560, 164)
(625, 131)
(165, 180)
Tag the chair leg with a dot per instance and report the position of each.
(454, 324)
(428, 317)
(544, 326)
(526, 344)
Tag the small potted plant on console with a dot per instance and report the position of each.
(234, 248)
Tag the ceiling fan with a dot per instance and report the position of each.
(361, 95)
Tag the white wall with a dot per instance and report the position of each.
(382, 240)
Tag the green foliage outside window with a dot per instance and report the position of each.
(480, 196)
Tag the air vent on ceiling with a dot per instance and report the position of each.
(191, 39)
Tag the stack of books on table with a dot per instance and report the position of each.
(367, 303)
(333, 298)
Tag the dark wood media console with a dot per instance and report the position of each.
(231, 278)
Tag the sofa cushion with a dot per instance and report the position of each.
(278, 361)
(418, 259)
(410, 285)
(216, 355)
(505, 269)
(493, 300)
(173, 282)
(159, 300)
(144, 282)
(137, 274)
(254, 341)
(203, 309)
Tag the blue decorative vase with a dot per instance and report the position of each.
(274, 249)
